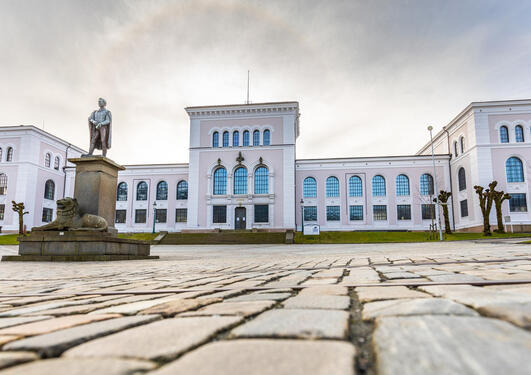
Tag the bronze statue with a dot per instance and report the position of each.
(100, 128)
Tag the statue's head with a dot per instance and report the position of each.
(102, 102)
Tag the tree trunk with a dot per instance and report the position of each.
(501, 228)
(20, 223)
(447, 228)
(486, 225)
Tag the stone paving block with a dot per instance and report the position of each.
(326, 290)
(135, 307)
(232, 308)
(81, 366)
(450, 345)
(376, 293)
(9, 322)
(459, 277)
(321, 281)
(222, 294)
(518, 313)
(172, 308)
(50, 325)
(260, 297)
(266, 357)
(8, 359)
(317, 302)
(332, 324)
(39, 308)
(53, 344)
(4, 339)
(416, 306)
(162, 340)
(361, 275)
(401, 275)
(334, 272)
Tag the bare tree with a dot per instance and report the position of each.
(19, 208)
(499, 197)
(486, 198)
(443, 201)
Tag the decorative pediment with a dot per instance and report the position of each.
(240, 158)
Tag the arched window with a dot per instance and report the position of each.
(261, 180)
(267, 137)
(121, 192)
(240, 181)
(236, 138)
(256, 138)
(225, 139)
(332, 187)
(455, 149)
(162, 191)
(9, 154)
(462, 143)
(220, 181)
(49, 190)
(519, 133)
(47, 160)
(402, 185)
(514, 170)
(3, 184)
(426, 184)
(378, 186)
(182, 190)
(142, 191)
(215, 139)
(355, 188)
(504, 134)
(309, 188)
(461, 179)
(246, 138)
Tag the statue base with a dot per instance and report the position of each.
(78, 246)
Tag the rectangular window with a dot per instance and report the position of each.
(428, 211)
(464, 208)
(120, 216)
(2, 211)
(310, 213)
(379, 212)
(332, 213)
(403, 212)
(261, 213)
(356, 212)
(181, 215)
(161, 215)
(518, 202)
(140, 216)
(219, 214)
(47, 214)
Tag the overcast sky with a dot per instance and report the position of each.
(369, 75)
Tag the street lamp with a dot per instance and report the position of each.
(302, 216)
(438, 213)
(154, 215)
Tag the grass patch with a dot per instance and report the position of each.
(383, 237)
(9, 239)
(138, 236)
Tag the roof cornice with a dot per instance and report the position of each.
(243, 109)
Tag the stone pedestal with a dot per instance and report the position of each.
(95, 186)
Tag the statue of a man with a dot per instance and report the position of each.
(100, 128)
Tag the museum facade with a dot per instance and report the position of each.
(243, 174)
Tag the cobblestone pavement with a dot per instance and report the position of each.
(451, 308)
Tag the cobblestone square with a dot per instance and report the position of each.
(438, 308)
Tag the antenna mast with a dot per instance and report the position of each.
(247, 102)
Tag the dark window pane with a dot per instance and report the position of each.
(379, 212)
(402, 185)
(518, 202)
(3, 184)
(332, 213)
(261, 213)
(464, 208)
(140, 216)
(120, 216)
(2, 211)
(403, 212)
(309, 187)
(182, 190)
(355, 188)
(246, 138)
(121, 192)
(219, 214)
(161, 215)
(215, 139)
(310, 213)
(225, 139)
(180, 215)
(519, 133)
(504, 134)
(426, 184)
(236, 138)
(9, 154)
(162, 191)
(267, 137)
(220, 181)
(378, 186)
(261, 181)
(142, 191)
(47, 214)
(514, 170)
(56, 163)
(332, 187)
(49, 190)
(240, 181)
(356, 212)
(47, 160)
(428, 211)
(256, 138)
(461, 177)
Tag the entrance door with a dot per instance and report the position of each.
(239, 218)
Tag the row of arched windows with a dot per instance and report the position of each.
(514, 171)
(48, 161)
(162, 191)
(261, 181)
(244, 141)
(355, 186)
(518, 134)
(461, 146)
(9, 156)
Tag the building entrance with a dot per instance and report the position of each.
(239, 218)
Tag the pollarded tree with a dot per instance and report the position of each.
(499, 197)
(443, 201)
(486, 198)
(19, 208)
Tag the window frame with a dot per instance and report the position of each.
(426, 185)
(511, 173)
(381, 215)
(235, 138)
(407, 208)
(354, 210)
(261, 180)
(402, 186)
(49, 189)
(256, 138)
(378, 184)
(179, 215)
(309, 191)
(138, 215)
(266, 137)
(519, 136)
(246, 138)
(48, 160)
(504, 136)
(332, 187)
(522, 197)
(461, 179)
(259, 216)
(182, 192)
(215, 139)
(219, 182)
(220, 215)
(225, 139)
(138, 192)
(309, 213)
(355, 186)
(162, 191)
(116, 215)
(333, 213)
(240, 181)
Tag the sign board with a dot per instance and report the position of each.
(312, 230)
(507, 219)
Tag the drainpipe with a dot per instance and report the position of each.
(64, 169)
(450, 173)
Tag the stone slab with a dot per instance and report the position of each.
(376, 293)
(161, 341)
(53, 344)
(450, 345)
(171, 308)
(317, 302)
(307, 323)
(260, 297)
(326, 290)
(81, 366)
(135, 307)
(266, 357)
(4, 339)
(8, 359)
(516, 312)
(232, 308)
(9, 322)
(416, 306)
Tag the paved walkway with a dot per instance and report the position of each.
(451, 308)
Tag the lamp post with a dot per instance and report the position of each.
(302, 220)
(154, 215)
(438, 213)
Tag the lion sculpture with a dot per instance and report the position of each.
(69, 218)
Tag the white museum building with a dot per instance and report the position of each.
(243, 173)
